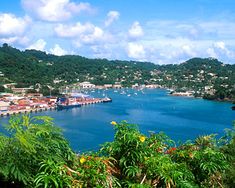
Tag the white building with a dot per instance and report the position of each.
(86, 85)
(108, 85)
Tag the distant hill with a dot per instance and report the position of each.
(208, 77)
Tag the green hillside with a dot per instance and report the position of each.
(207, 77)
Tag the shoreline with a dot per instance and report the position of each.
(25, 111)
(31, 110)
(186, 94)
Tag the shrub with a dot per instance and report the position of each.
(34, 153)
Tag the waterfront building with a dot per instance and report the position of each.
(4, 106)
(117, 85)
(135, 86)
(87, 85)
(34, 95)
(108, 86)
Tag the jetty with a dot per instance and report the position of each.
(25, 111)
(53, 107)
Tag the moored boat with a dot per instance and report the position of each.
(66, 103)
(68, 106)
(107, 99)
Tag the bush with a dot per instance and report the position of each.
(35, 154)
(155, 161)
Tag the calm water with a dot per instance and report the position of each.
(180, 117)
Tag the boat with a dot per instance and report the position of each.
(107, 99)
(66, 103)
(68, 106)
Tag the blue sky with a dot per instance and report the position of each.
(159, 31)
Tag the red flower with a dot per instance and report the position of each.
(169, 151)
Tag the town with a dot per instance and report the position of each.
(22, 101)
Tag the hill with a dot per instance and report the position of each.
(206, 77)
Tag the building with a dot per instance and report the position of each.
(21, 90)
(117, 85)
(99, 87)
(86, 85)
(4, 106)
(135, 86)
(209, 90)
(30, 95)
(108, 86)
(10, 86)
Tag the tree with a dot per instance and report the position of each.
(30, 141)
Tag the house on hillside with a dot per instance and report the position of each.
(21, 90)
(9, 86)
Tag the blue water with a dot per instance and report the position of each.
(181, 118)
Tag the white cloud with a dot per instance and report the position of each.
(38, 45)
(136, 51)
(81, 33)
(57, 50)
(211, 52)
(220, 45)
(10, 25)
(188, 50)
(95, 36)
(23, 41)
(221, 48)
(111, 17)
(74, 30)
(13, 29)
(9, 40)
(136, 30)
(54, 10)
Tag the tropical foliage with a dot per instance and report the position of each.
(34, 153)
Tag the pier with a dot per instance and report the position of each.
(35, 110)
(25, 111)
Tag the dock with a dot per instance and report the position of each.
(25, 111)
(35, 110)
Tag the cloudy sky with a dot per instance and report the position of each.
(159, 31)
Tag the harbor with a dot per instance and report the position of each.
(154, 109)
(32, 103)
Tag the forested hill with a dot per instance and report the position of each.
(30, 67)
(207, 77)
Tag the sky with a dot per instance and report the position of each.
(158, 31)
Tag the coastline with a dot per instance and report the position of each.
(54, 107)
(188, 94)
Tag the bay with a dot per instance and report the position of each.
(181, 118)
